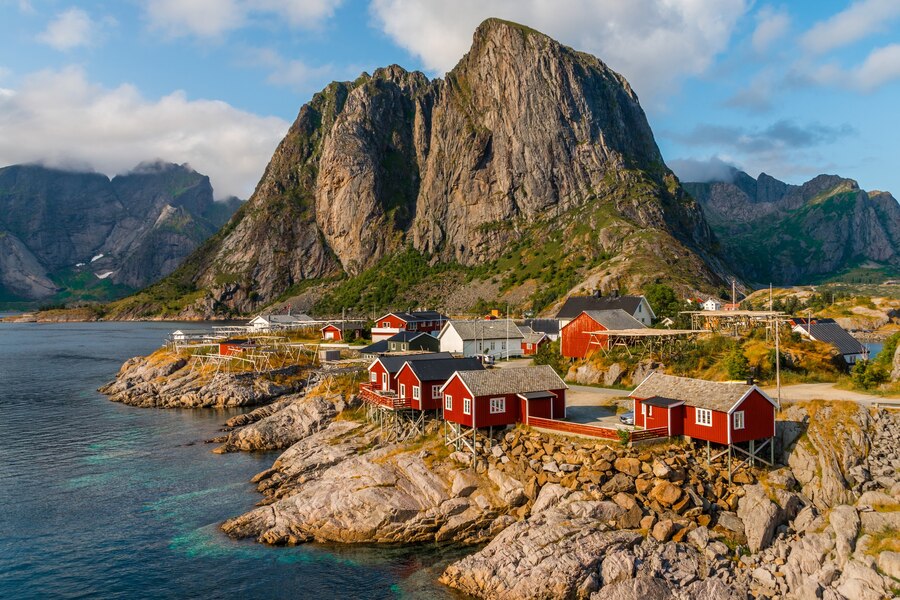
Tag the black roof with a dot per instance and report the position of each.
(548, 326)
(442, 369)
(393, 363)
(537, 395)
(421, 315)
(827, 330)
(405, 336)
(575, 305)
(376, 348)
(661, 402)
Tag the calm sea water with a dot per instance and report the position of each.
(100, 500)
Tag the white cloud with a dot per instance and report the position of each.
(771, 26)
(60, 118)
(880, 67)
(69, 29)
(212, 19)
(654, 43)
(295, 74)
(703, 169)
(859, 20)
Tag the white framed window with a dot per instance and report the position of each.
(498, 405)
(739, 419)
(503, 345)
(448, 402)
(643, 408)
(650, 411)
(467, 406)
(436, 391)
(704, 416)
(385, 324)
(403, 390)
(373, 377)
(493, 345)
(417, 393)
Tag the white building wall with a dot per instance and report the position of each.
(451, 341)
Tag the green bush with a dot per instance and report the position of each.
(549, 354)
(868, 374)
(736, 364)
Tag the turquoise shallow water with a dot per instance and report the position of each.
(100, 500)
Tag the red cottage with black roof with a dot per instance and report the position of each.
(580, 336)
(718, 412)
(419, 381)
(428, 321)
(382, 387)
(501, 397)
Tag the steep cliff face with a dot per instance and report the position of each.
(789, 234)
(522, 131)
(64, 233)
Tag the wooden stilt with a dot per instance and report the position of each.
(729, 463)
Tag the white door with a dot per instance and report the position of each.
(384, 382)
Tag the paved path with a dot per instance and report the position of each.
(827, 391)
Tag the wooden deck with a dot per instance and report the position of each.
(594, 431)
(384, 398)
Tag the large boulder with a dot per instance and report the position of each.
(760, 517)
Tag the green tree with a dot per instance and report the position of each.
(663, 300)
(868, 374)
(550, 354)
(736, 363)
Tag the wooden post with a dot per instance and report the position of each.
(752, 454)
(772, 451)
(729, 463)
(708, 462)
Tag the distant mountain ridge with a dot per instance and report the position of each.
(529, 161)
(68, 235)
(771, 231)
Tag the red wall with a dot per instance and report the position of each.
(380, 370)
(398, 323)
(658, 418)
(575, 339)
(427, 400)
(759, 419)
(534, 347)
(482, 407)
(718, 432)
(335, 330)
(392, 321)
(230, 349)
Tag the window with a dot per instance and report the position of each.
(643, 409)
(385, 324)
(503, 345)
(498, 405)
(373, 377)
(435, 391)
(704, 416)
(403, 390)
(650, 411)
(417, 393)
(448, 402)
(467, 406)
(739, 419)
(493, 345)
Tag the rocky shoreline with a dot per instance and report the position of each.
(564, 518)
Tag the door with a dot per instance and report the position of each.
(384, 382)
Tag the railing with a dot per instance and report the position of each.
(387, 398)
(596, 431)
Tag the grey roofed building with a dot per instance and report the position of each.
(615, 319)
(420, 315)
(530, 336)
(442, 369)
(393, 363)
(548, 326)
(828, 331)
(512, 381)
(405, 336)
(482, 329)
(374, 349)
(575, 305)
(715, 395)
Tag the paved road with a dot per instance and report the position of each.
(827, 391)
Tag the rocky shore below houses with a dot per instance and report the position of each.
(574, 518)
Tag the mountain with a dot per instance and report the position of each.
(68, 235)
(786, 234)
(529, 165)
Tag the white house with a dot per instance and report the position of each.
(712, 304)
(273, 322)
(499, 338)
(636, 306)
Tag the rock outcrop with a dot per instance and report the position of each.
(524, 135)
(823, 227)
(67, 231)
(164, 380)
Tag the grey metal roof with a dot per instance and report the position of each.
(482, 329)
(537, 395)
(346, 326)
(393, 363)
(661, 402)
(715, 395)
(827, 330)
(548, 326)
(376, 348)
(519, 380)
(575, 305)
(420, 315)
(405, 336)
(533, 337)
(615, 319)
(442, 369)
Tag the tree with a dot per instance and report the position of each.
(867, 374)
(736, 364)
(663, 300)
(549, 354)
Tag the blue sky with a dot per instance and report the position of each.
(793, 89)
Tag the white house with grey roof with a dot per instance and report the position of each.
(500, 338)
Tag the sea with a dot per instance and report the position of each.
(102, 500)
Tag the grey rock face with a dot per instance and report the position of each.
(522, 130)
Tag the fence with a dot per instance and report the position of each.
(595, 431)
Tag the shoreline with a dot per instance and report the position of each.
(339, 481)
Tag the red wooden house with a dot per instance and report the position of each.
(235, 347)
(382, 387)
(501, 397)
(718, 412)
(428, 321)
(581, 336)
(332, 332)
(532, 340)
(342, 331)
(419, 382)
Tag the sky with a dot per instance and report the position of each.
(792, 89)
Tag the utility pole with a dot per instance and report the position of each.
(777, 362)
(770, 296)
(507, 332)
(733, 294)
